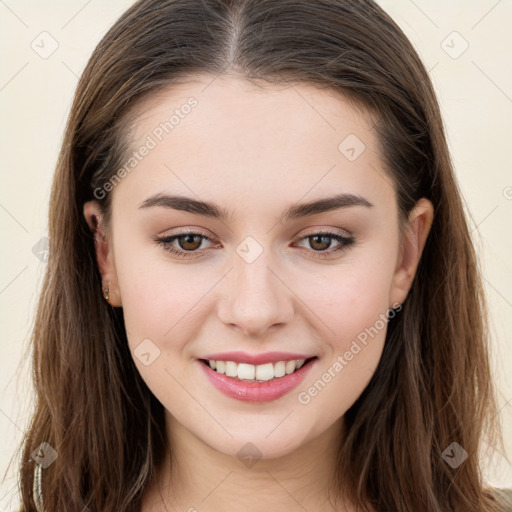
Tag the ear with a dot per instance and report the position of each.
(104, 252)
(414, 238)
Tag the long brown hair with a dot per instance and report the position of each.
(433, 384)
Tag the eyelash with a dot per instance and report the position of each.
(165, 242)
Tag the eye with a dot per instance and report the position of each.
(190, 242)
(320, 241)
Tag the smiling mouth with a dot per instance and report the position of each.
(257, 373)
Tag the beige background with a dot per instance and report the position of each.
(474, 87)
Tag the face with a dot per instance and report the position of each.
(254, 273)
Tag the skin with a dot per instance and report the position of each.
(254, 152)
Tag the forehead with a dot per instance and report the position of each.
(267, 112)
(213, 135)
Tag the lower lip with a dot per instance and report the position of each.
(249, 391)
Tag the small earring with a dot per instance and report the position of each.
(106, 292)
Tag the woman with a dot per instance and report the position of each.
(260, 280)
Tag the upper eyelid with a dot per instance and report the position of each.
(344, 241)
(317, 231)
(314, 231)
(328, 231)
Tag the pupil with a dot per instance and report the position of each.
(320, 238)
(189, 239)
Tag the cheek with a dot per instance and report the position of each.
(161, 308)
(163, 304)
(349, 298)
(353, 306)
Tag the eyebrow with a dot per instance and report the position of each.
(294, 211)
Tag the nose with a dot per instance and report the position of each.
(255, 297)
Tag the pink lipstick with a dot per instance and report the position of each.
(253, 390)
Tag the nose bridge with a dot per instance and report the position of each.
(256, 299)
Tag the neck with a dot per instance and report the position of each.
(202, 478)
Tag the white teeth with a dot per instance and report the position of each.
(246, 371)
(265, 371)
(280, 369)
(290, 366)
(231, 370)
(261, 372)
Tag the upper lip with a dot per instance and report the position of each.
(256, 359)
